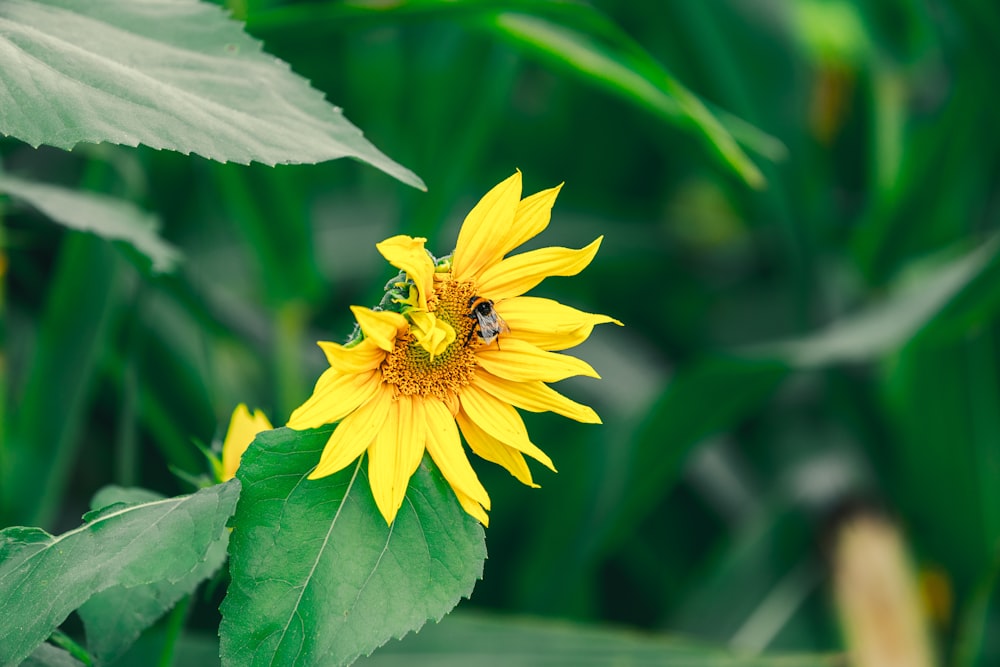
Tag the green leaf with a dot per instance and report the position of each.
(473, 640)
(885, 326)
(631, 73)
(568, 34)
(47, 655)
(177, 75)
(317, 576)
(43, 578)
(115, 617)
(110, 218)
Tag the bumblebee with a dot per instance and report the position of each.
(488, 322)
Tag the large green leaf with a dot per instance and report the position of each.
(473, 640)
(317, 576)
(43, 578)
(109, 218)
(171, 74)
(115, 617)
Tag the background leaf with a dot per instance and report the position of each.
(478, 640)
(111, 219)
(43, 578)
(114, 617)
(317, 576)
(123, 72)
(47, 655)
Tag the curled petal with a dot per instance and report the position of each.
(501, 421)
(408, 253)
(382, 326)
(494, 451)
(485, 229)
(523, 362)
(353, 435)
(365, 356)
(395, 454)
(336, 395)
(433, 333)
(518, 274)
(535, 397)
(445, 447)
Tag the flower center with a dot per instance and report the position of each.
(411, 369)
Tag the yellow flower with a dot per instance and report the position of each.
(421, 370)
(243, 428)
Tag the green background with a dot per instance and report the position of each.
(704, 504)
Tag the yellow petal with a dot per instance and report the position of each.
(336, 395)
(501, 421)
(483, 233)
(518, 274)
(530, 219)
(382, 326)
(433, 333)
(491, 449)
(395, 455)
(353, 435)
(365, 356)
(472, 508)
(517, 360)
(548, 324)
(243, 428)
(445, 447)
(534, 397)
(408, 253)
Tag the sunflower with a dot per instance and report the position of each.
(454, 346)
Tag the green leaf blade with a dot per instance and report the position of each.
(41, 582)
(171, 75)
(115, 617)
(317, 576)
(110, 218)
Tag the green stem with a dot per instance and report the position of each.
(175, 625)
(64, 641)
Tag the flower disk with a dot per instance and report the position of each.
(421, 370)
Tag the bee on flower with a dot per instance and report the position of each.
(455, 347)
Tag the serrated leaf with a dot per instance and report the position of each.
(173, 74)
(107, 217)
(115, 617)
(317, 576)
(43, 578)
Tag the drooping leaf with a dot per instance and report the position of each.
(633, 74)
(176, 74)
(115, 617)
(110, 218)
(43, 577)
(317, 576)
(475, 640)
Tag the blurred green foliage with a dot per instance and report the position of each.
(701, 505)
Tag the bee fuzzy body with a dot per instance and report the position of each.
(488, 323)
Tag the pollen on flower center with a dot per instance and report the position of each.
(411, 369)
